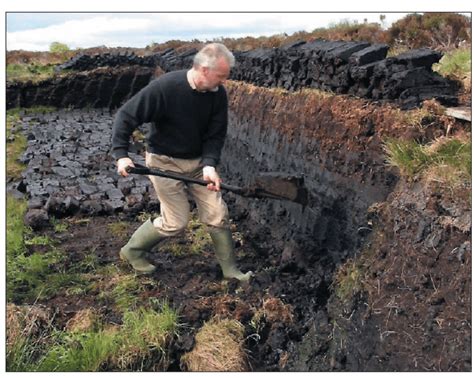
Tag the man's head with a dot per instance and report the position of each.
(212, 65)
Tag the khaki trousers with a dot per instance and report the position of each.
(172, 194)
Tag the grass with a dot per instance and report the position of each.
(16, 228)
(29, 72)
(122, 289)
(88, 263)
(146, 333)
(21, 355)
(16, 141)
(125, 292)
(39, 240)
(36, 275)
(140, 343)
(39, 276)
(455, 64)
(447, 159)
(79, 352)
(16, 145)
(26, 335)
(351, 277)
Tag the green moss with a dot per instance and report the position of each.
(348, 280)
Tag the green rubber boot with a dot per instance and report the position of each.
(224, 247)
(142, 241)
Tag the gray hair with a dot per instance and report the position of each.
(209, 54)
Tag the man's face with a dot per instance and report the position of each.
(217, 75)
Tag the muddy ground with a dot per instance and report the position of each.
(192, 283)
(414, 316)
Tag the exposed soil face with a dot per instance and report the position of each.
(99, 88)
(406, 245)
(411, 308)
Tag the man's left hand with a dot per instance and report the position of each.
(210, 174)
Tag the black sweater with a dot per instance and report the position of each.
(185, 123)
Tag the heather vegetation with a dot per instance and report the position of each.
(439, 31)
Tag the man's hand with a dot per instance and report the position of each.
(209, 174)
(123, 163)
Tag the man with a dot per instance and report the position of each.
(188, 115)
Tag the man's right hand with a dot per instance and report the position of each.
(123, 163)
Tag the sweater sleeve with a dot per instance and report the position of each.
(217, 131)
(141, 108)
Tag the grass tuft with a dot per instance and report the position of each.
(195, 240)
(219, 347)
(145, 337)
(79, 352)
(447, 160)
(140, 343)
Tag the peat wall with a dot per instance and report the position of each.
(356, 68)
(335, 147)
(100, 88)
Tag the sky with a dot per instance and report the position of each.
(34, 25)
(36, 31)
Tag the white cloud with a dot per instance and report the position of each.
(77, 33)
(140, 29)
